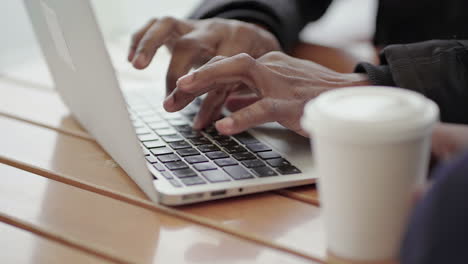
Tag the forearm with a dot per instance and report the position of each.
(436, 69)
(284, 18)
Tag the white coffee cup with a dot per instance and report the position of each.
(371, 148)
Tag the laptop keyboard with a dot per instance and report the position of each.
(187, 157)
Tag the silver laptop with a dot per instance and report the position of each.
(169, 161)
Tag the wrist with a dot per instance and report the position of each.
(356, 79)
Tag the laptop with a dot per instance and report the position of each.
(169, 161)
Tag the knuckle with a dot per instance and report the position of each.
(168, 20)
(186, 43)
(273, 56)
(246, 60)
(270, 107)
(243, 29)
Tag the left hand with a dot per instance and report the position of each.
(281, 86)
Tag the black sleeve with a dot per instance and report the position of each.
(284, 18)
(437, 69)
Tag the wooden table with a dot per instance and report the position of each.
(63, 200)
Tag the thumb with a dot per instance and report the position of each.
(260, 112)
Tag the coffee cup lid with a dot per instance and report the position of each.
(370, 113)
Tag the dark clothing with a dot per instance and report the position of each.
(398, 21)
(409, 21)
(438, 232)
(437, 69)
(284, 18)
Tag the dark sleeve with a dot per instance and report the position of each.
(438, 228)
(437, 69)
(284, 18)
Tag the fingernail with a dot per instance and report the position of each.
(140, 60)
(225, 125)
(197, 123)
(168, 102)
(184, 80)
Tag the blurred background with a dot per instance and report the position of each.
(348, 24)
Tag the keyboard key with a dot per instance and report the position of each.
(216, 155)
(172, 138)
(159, 167)
(167, 175)
(234, 149)
(177, 122)
(225, 162)
(192, 181)
(205, 166)
(211, 130)
(258, 147)
(183, 128)
(237, 172)
(200, 141)
(195, 159)
(253, 163)
(176, 165)
(168, 158)
(154, 144)
(165, 131)
(145, 111)
(268, 155)
(158, 125)
(138, 124)
(245, 138)
(142, 131)
(220, 137)
(244, 156)
(187, 152)
(153, 118)
(278, 162)
(169, 116)
(264, 171)
(180, 145)
(161, 151)
(216, 176)
(146, 152)
(184, 173)
(147, 137)
(226, 142)
(175, 183)
(151, 159)
(288, 169)
(208, 148)
(191, 134)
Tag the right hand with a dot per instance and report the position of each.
(194, 42)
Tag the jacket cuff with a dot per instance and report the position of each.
(378, 75)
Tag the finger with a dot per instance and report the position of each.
(234, 103)
(233, 71)
(255, 114)
(210, 108)
(194, 48)
(136, 39)
(159, 33)
(178, 99)
(238, 66)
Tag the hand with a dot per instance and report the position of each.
(194, 42)
(449, 140)
(281, 86)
